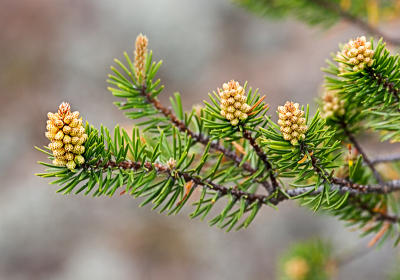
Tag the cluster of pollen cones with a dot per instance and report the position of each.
(67, 136)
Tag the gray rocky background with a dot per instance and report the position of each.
(51, 51)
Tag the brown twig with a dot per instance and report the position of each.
(378, 215)
(260, 153)
(346, 185)
(366, 159)
(196, 180)
(390, 186)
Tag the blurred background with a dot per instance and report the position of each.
(54, 51)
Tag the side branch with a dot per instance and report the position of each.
(343, 184)
(379, 215)
(247, 135)
(361, 151)
(162, 169)
(353, 189)
(392, 186)
(388, 187)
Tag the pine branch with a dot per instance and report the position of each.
(247, 135)
(370, 91)
(162, 169)
(314, 162)
(342, 183)
(366, 159)
(351, 185)
(343, 187)
(337, 185)
(165, 166)
(113, 163)
(378, 215)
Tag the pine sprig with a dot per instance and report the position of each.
(309, 162)
(221, 127)
(373, 90)
(145, 104)
(370, 214)
(129, 165)
(226, 150)
(295, 161)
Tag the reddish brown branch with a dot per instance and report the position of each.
(378, 215)
(197, 181)
(366, 159)
(260, 153)
(339, 181)
(354, 189)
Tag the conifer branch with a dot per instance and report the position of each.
(366, 159)
(314, 162)
(162, 169)
(378, 215)
(165, 167)
(337, 184)
(247, 135)
(343, 187)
